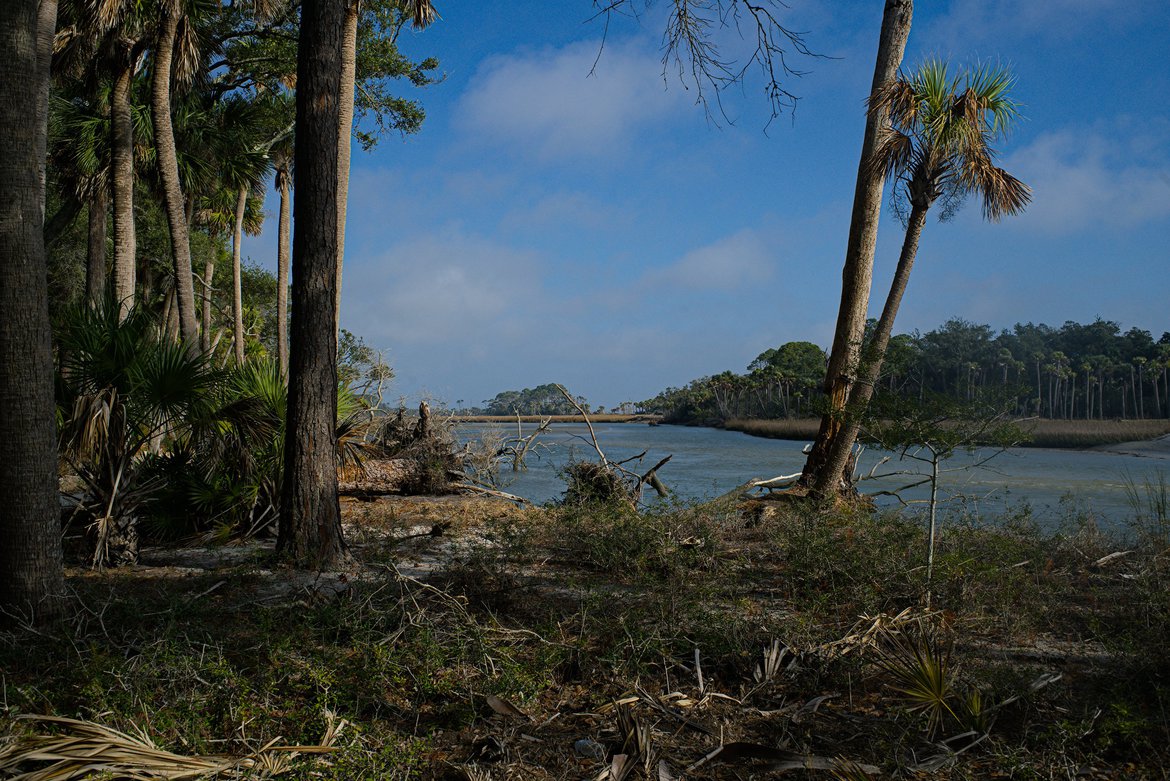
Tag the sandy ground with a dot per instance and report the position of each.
(1149, 448)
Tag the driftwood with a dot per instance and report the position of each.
(380, 476)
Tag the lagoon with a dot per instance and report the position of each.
(1055, 486)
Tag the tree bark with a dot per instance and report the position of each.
(95, 257)
(237, 285)
(345, 138)
(282, 256)
(830, 477)
(857, 274)
(205, 328)
(168, 169)
(122, 179)
(310, 516)
(31, 574)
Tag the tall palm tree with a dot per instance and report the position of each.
(31, 574)
(938, 147)
(857, 273)
(420, 14)
(282, 160)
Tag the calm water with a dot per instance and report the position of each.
(1056, 484)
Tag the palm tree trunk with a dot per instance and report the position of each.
(237, 286)
(31, 575)
(95, 256)
(208, 288)
(168, 169)
(830, 478)
(345, 137)
(283, 230)
(122, 175)
(310, 516)
(857, 274)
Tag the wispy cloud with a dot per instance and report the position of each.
(1112, 176)
(733, 262)
(548, 103)
(981, 22)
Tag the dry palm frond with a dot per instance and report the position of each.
(82, 749)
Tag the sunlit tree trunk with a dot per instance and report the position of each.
(310, 518)
(857, 274)
(122, 181)
(283, 181)
(237, 276)
(345, 136)
(168, 169)
(831, 476)
(31, 574)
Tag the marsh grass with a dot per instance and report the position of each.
(1043, 433)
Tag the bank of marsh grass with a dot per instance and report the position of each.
(1043, 432)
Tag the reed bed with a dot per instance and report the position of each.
(1044, 432)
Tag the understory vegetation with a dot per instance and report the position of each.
(480, 641)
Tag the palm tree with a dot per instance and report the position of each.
(282, 160)
(420, 13)
(31, 574)
(857, 274)
(938, 147)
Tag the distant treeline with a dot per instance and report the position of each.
(543, 400)
(1093, 371)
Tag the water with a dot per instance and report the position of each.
(1053, 484)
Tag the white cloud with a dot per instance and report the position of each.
(445, 288)
(547, 103)
(1093, 177)
(992, 21)
(736, 261)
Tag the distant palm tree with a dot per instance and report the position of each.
(938, 148)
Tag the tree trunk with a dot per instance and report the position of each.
(205, 329)
(31, 575)
(95, 256)
(345, 138)
(168, 169)
(310, 516)
(857, 274)
(237, 286)
(829, 479)
(283, 230)
(122, 180)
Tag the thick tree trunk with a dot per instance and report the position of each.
(829, 479)
(95, 257)
(31, 574)
(857, 274)
(345, 138)
(237, 285)
(282, 256)
(122, 181)
(310, 516)
(168, 169)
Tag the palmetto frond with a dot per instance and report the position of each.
(942, 129)
(421, 12)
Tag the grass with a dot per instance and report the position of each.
(528, 631)
(1045, 433)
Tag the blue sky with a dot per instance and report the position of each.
(551, 226)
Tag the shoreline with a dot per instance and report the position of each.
(1144, 437)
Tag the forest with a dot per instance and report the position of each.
(1091, 371)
